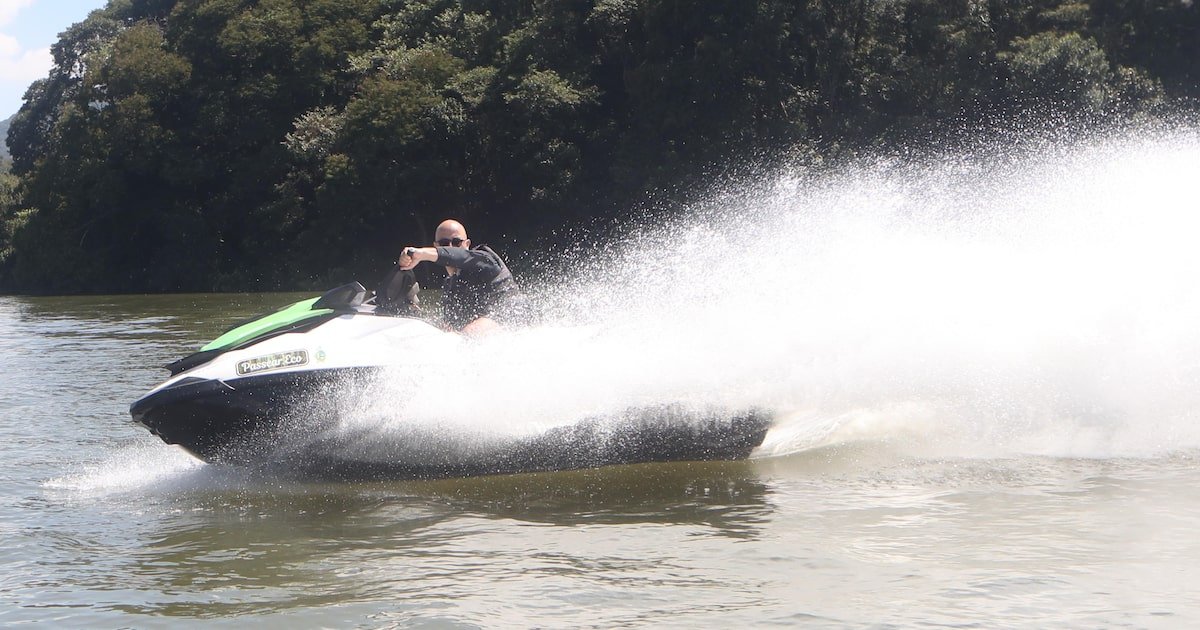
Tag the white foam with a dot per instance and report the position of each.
(132, 468)
(1042, 300)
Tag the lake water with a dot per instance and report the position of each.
(102, 525)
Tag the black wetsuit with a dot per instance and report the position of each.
(483, 287)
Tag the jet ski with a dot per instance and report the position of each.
(273, 392)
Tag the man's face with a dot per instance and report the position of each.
(452, 237)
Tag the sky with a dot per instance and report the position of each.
(27, 29)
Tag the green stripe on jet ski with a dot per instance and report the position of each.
(286, 316)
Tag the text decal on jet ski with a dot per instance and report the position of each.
(272, 362)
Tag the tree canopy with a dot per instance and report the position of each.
(5, 156)
(181, 145)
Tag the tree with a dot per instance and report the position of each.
(257, 144)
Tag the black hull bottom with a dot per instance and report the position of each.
(218, 421)
(646, 435)
(285, 423)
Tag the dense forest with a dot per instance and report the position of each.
(182, 145)
(4, 156)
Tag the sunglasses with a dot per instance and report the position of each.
(448, 242)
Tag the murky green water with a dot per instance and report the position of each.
(101, 525)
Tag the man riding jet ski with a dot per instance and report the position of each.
(276, 392)
(479, 295)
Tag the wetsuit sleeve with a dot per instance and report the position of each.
(474, 261)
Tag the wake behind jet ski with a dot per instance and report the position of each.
(274, 392)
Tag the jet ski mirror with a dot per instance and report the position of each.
(344, 297)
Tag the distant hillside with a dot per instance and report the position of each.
(4, 155)
(188, 145)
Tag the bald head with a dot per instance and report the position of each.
(451, 229)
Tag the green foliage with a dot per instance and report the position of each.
(151, 153)
(256, 144)
(12, 217)
(4, 154)
(1155, 40)
(1069, 70)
